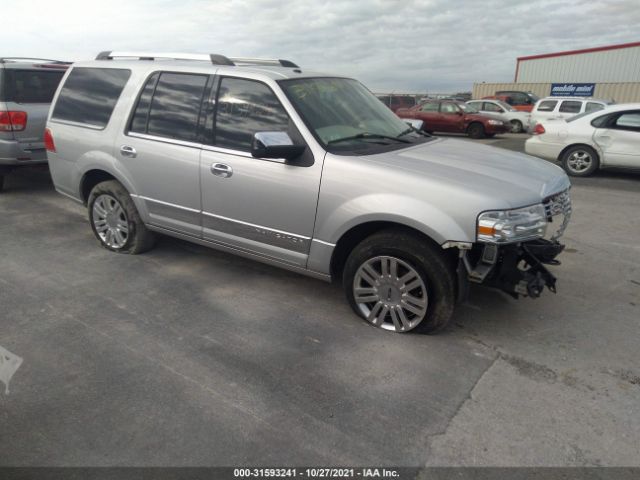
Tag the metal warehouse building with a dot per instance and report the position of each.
(610, 72)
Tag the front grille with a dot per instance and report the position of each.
(558, 211)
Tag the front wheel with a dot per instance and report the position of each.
(398, 281)
(115, 220)
(580, 161)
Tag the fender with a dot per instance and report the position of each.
(400, 209)
(98, 160)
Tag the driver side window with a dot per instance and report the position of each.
(448, 108)
(491, 107)
(245, 107)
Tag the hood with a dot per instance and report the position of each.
(494, 173)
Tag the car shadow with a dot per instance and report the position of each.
(28, 179)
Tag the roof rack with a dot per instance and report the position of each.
(215, 59)
(17, 59)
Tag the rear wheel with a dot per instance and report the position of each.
(476, 130)
(516, 126)
(115, 220)
(398, 281)
(580, 161)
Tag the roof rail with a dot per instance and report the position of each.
(16, 59)
(215, 59)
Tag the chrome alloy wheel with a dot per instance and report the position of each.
(110, 221)
(390, 294)
(579, 161)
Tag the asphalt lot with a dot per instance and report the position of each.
(188, 356)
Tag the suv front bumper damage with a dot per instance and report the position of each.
(517, 269)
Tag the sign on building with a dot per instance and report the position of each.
(572, 89)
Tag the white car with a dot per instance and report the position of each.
(519, 120)
(586, 142)
(564, 107)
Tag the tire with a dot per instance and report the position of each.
(516, 126)
(1, 183)
(476, 130)
(580, 161)
(426, 307)
(115, 220)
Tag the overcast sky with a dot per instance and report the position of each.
(390, 45)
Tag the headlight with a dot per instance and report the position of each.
(506, 226)
(495, 122)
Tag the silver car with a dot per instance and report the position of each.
(27, 86)
(305, 171)
(518, 120)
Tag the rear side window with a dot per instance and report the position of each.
(245, 107)
(430, 107)
(547, 106)
(570, 106)
(169, 106)
(518, 98)
(89, 95)
(30, 86)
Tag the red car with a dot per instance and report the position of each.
(455, 117)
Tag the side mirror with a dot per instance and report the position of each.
(275, 145)
(417, 124)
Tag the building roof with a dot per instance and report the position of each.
(584, 50)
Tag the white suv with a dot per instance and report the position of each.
(564, 107)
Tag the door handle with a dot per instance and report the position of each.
(127, 151)
(221, 170)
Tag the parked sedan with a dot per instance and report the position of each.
(518, 120)
(454, 117)
(586, 142)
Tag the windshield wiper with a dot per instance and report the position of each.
(367, 135)
(413, 130)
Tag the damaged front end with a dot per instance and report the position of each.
(518, 266)
(518, 269)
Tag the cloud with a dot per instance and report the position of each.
(390, 45)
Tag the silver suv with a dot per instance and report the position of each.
(305, 171)
(27, 86)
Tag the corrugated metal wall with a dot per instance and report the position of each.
(605, 66)
(620, 92)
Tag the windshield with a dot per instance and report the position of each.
(534, 98)
(341, 112)
(506, 106)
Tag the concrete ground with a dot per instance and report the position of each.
(187, 356)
